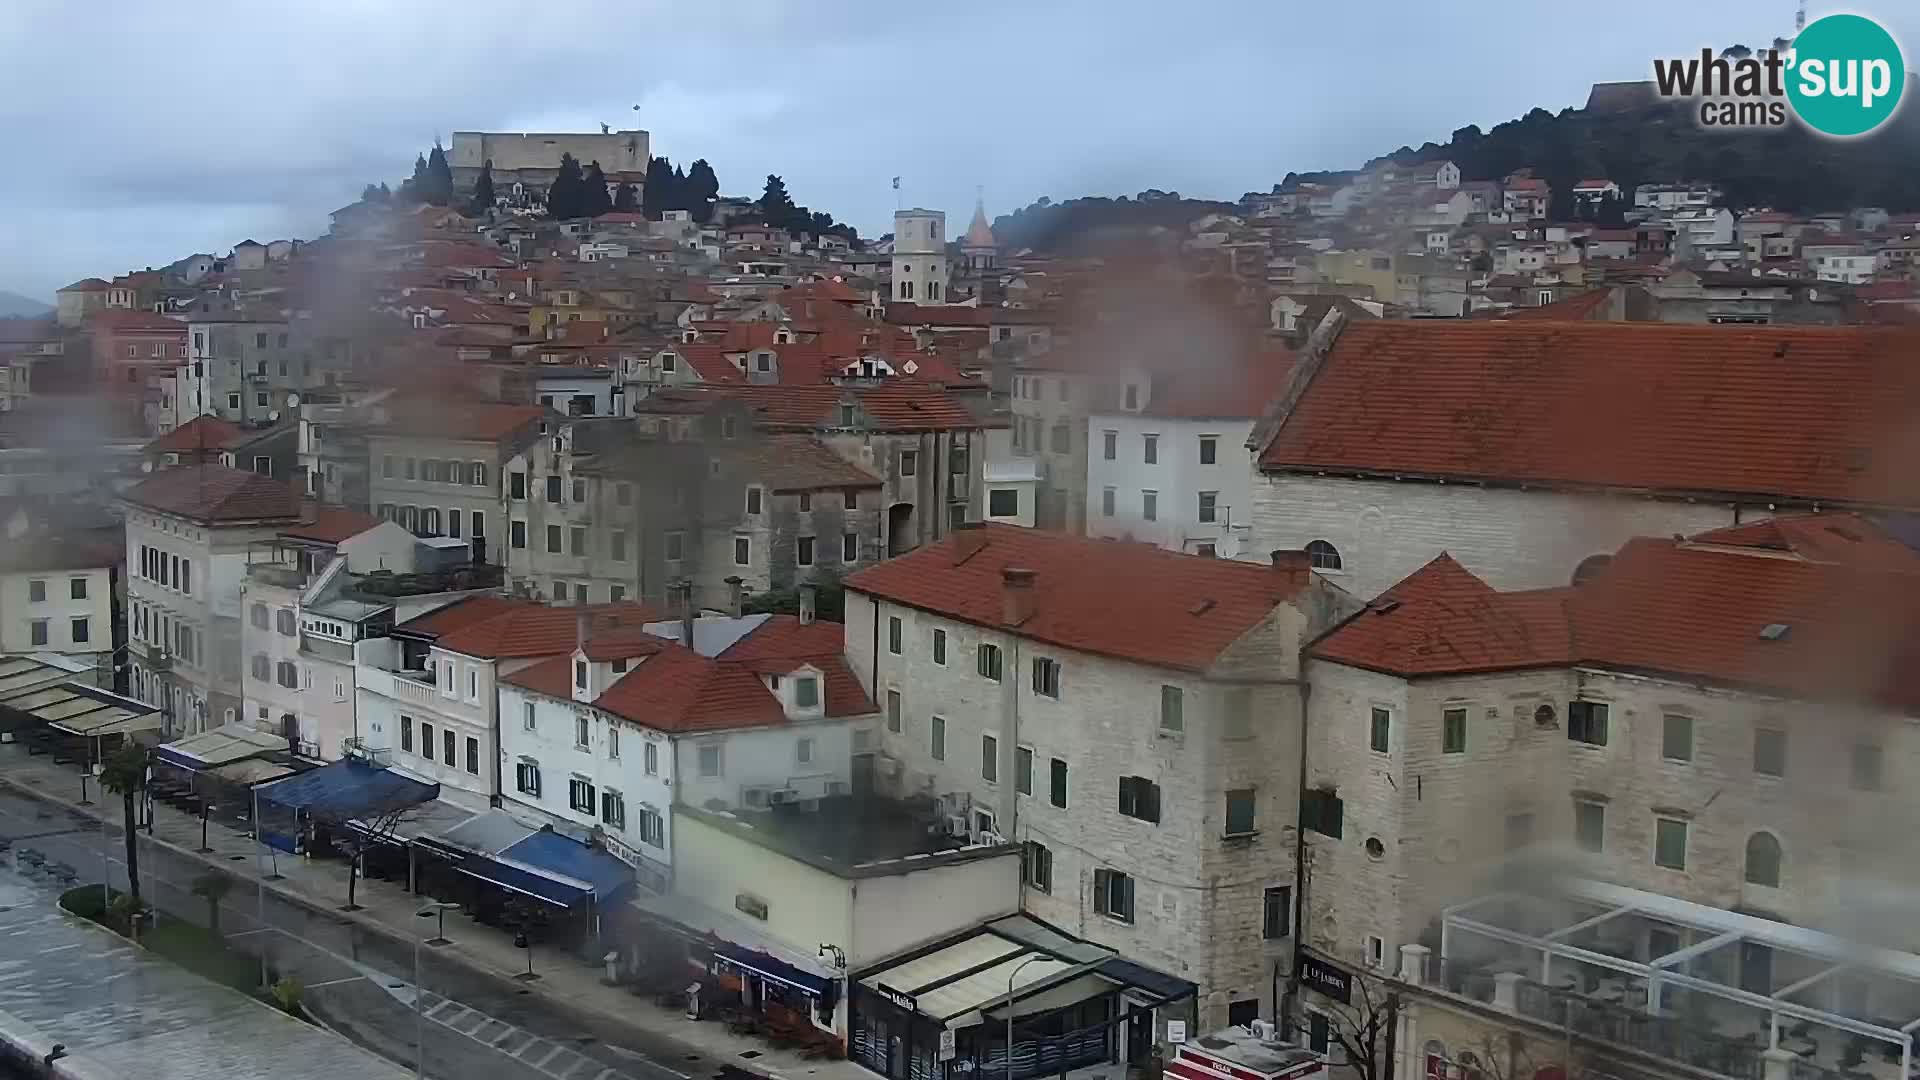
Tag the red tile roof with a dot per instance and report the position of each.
(206, 432)
(528, 629)
(124, 319)
(891, 406)
(1689, 608)
(783, 641)
(1238, 390)
(215, 493)
(939, 315)
(1177, 611)
(92, 284)
(789, 462)
(330, 524)
(1820, 414)
(1586, 305)
(472, 421)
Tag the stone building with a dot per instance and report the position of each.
(1528, 450)
(532, 159)
(1130, 715)
(436, 468)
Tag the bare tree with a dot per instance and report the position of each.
(1363, 1028)
(356, 831)
(1513, 1055)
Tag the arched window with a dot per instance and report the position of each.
(1590, 566)
(1323, 555)
(1763, 860)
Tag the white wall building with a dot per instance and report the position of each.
(1127, 714)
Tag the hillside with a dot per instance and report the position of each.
(1076, 224)
(15, 306)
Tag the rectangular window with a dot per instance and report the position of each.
(753, 500)
(1589, 825)
(1057, 784)
(650, 759)
(742, 551)
(1209, 506)
(1036, 864)
(1110, 445)
(806, 692)
(577, 541)
(554, 540)
(1209, 449)
(517, 535)
(579, 490)
(454, 522)
(849, 547)
(1113, 895)
(1150, 449)
(1240, 812)
(553, 489)
(940, 647)
(526, 716)
(710, 763)
(1770, 752)
(1453, 731)
(803, 551)
(893, 711)
(80, 631)
(1046, 677)
(987, 662)
(1023, 769)
(989, 759)
(582, 732)
(406, 731)
(473, 755)
(1276, 912)
(909, 461)
(1150, 505)
(426, 740)
(77, 588)
(937, 738)
(516, 485)
(580, 795)
(1139, 798)
(613, 809)
(1866, 767)
(1173, 706)
(653, 828)
(1003, 502)
(676, 543)
(1587, 722)
(449, 747)
(1676, 737)
(1106, 502)
(1670, 843)
(893, 634)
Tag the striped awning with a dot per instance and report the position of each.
(34, 692)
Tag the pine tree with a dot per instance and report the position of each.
(776, 206)
(564, 197)
(413, 189)
(594, 199)
(439, 182)
(659, 188)
(370, 194)
(624, 200)
(483, 188)
(702, 190)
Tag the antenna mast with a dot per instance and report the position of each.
(1800, 18)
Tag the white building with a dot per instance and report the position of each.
(57, 580)
(1129, 715)
(1703, 227)
(1170, 466)
(1679, 724)
(1674, 196)
(920, 256)
(630, 722)
(189, 534)
(1377, 463)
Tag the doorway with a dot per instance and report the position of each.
(900, 538)
(1139, 1034)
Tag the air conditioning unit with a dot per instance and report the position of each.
(1262, 1029)
(779, 796)
(957, 826)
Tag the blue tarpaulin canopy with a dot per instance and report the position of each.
(554, 868)
(347, 789)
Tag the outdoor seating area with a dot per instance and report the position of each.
(1701, 985)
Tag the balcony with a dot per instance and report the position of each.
(415, 687)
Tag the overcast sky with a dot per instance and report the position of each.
(138, 132)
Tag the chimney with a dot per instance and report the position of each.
(968, 538)
(1295, 563)
(806, 602)
(580, 631)
(685, 589)
(1016, 595)
(736, 594)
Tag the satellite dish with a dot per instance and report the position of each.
(146, 466)
(293, 401)
(273, 417)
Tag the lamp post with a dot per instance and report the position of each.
(1010, 977)
(438, 908)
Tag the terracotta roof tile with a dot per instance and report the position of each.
(798, 463)
(330, 524)
(530, 629)
(123, 319)
(1175, 610)
(206, 432)
(475, 421)
(1442, 619)
(215, 493)
(1823, 414)
(92, 284)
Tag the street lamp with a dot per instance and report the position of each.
(438, 908)
(1010, 977)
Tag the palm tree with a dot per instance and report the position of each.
(212, 887)
(125, 774)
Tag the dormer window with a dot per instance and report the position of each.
(1132, 398)
(783, 336)
(580, 674)
(846, 416)
(806, 692)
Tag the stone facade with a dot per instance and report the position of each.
(1445, 822)
(1198, 893)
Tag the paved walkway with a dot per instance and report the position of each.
(322, 886)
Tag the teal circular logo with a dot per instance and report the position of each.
(1846, 75)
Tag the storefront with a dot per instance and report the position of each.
(677, 940)
(1014, 998)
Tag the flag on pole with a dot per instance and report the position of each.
(896, 183)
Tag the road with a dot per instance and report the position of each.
(475, 1026)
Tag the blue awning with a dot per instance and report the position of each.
(772, 967)
(347, 789)
(554, 868)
